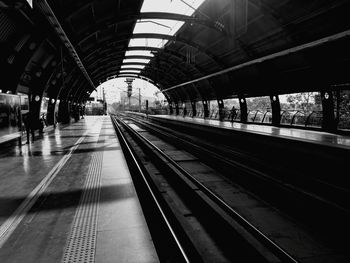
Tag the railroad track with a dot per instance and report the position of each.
(225, 235)
(274, 248)
(248, 161)
(204, 202)
(270, 184)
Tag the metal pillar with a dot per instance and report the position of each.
(34, 111)
(276, 109)
(328, 121)
(51, 114)
(139, 99)
(64, 112)
(171, 110)
(206, 109)
(176, 109)
(243, 109)
(76, 112)
(194, 110)
(221, 110)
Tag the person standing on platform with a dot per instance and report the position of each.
(25, 117)
(233, 113)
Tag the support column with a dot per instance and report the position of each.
(34, 111)
(276, 109)
(328, 121)
(176, 108)
(51, 117)
(76, 112)
(171, 110)
(206, 109)
(194, 110)
(221, 110)
(64, 112)
(243, 109)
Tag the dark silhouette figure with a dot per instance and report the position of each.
(233, 113)
(27, 126)
(185, 112)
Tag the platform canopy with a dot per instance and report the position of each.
(191, 49)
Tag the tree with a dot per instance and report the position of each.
(305, 101)
(259, 103)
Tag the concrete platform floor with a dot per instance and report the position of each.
(311, 136)
(69, 197)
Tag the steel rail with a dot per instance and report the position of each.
(275, 248)
(124, 141)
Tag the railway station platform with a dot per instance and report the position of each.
(309, 136)
(308, 153)
(69, 197)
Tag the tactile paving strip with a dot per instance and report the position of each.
(82, 239)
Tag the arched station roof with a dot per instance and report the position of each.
(227, 48)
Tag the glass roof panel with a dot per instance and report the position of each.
(139, 53)
(130, 70)
(171, 6)
(134, 60)
(132, 66)
(128, 74)
(159, 26)
(147, 42)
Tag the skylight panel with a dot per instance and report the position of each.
(139, 53)
(174, 6)
(129, 74)
(132, 66)
(147, 42)
(129, 70)
(158, 26)
(134, 60)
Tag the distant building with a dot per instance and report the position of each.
(134, 100)
(94, 108)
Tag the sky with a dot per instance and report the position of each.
(114, 87)
(161, 26)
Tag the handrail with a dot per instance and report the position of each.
(256, 113)
(262, 121)
(292, 121)
(308, 118)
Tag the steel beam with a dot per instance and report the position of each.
(257, 61)
(46, 10)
